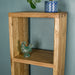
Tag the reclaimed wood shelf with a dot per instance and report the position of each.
(18, 32)
(36, 14)
(38, 57)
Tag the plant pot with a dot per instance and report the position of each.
(51, 6)
(48, 5)
(54, 6)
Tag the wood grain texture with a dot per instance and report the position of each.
(21, 69)
(15, 36)
(11, 37)
(11, 44)
(23, 29)
(18, 29)
(59, 44)
(23, 36)
(35, 14)
(38, 57)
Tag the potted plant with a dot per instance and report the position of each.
(33, 3)
(50, 6)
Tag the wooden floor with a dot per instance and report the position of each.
(38, 57)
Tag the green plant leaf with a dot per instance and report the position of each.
(37, 1)
(32, 5)
(29, 1)
(51, 0)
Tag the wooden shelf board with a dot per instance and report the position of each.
(36, 14)
(38, 57)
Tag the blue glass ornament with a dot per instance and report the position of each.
(26, 49)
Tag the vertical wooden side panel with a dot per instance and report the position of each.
(56, 46)
(11, 44)
(11, 37)
(23, 29)
(21, 69)
(23, 36)
(15, 36)
(18, 31)
(59, 44)
(63, 27)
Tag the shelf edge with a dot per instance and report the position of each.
(33, 63)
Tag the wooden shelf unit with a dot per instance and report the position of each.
(18, 32)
